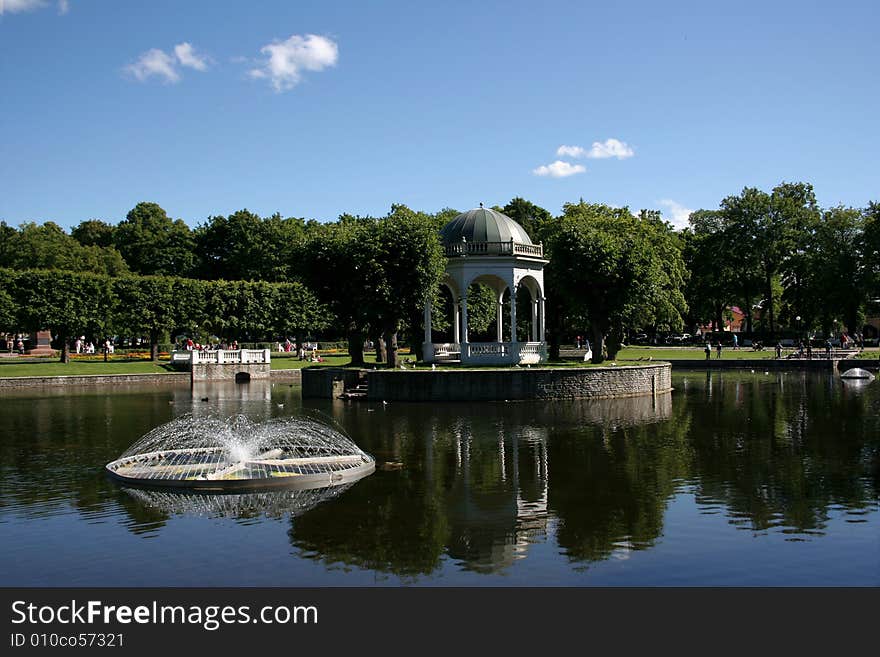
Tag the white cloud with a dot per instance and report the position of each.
(570, 151)
(187, 56)
(18, 6)
(559, 169)
(610, 148)
(675, 213)
(154, 62)
(160, 64)
(288, 59)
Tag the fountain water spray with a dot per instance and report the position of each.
(235, 453)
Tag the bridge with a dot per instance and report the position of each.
(240, 365)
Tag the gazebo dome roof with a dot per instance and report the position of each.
(483, 225)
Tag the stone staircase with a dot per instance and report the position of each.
(359, 392)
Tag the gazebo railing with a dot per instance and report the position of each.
(447, 351)
(494, 248)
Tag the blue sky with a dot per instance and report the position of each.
(317, 108)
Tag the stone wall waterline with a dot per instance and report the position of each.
(507, 384)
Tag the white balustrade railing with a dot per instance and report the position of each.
(512, 353)
(494, 248)
(477, 349)
(447, 351)
(221, 357)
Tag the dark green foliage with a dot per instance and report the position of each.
(375, 274)
(528, 215)
(613, 269)
(47, 246)
(610, 272)
(244, 246)
(8, 307)
(154, 305)
(153, 244)
(94, 232)
(65, 302)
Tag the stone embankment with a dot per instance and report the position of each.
(89, 380)
(492, 384)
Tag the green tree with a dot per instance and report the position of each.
(153, 306)
(870, 250)
(825, 277)
(528, 215)
(47, 246)
(336, 262)
(410, 262)
(767, 226)
(64, 302)
(94, 232)
(8, 244)
(244, 246)
(716, 274)
(297, 311)
(153, 244)
(612, 268)
(8, 306)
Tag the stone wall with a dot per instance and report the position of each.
(328, 382)
(229, 372)
(93, 380)
(287, 376)
(290, 376)
(515, 384)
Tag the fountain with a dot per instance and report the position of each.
(857, 373)
(223, 454)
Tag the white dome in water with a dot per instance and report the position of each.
(234, 453)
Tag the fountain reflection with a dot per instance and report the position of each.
(238, 506)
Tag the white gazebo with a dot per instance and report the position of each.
(487, 247)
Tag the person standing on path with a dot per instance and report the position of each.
(708, 351)
(718, 350)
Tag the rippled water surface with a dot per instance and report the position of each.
(733, 479)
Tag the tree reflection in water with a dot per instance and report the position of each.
(481, 483)
(479, 487)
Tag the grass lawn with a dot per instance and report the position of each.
(294, 363)
(627, 356)
(694, 353)
(54, 368)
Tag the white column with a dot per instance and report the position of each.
(456, 322)
(428, 322)
(464, 322)
(542, 319)
(513, 314)
(499, 318)
(534, 320)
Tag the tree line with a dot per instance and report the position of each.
(70, 303)
(785, 261)
(612, 272)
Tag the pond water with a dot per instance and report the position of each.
(736, 478)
